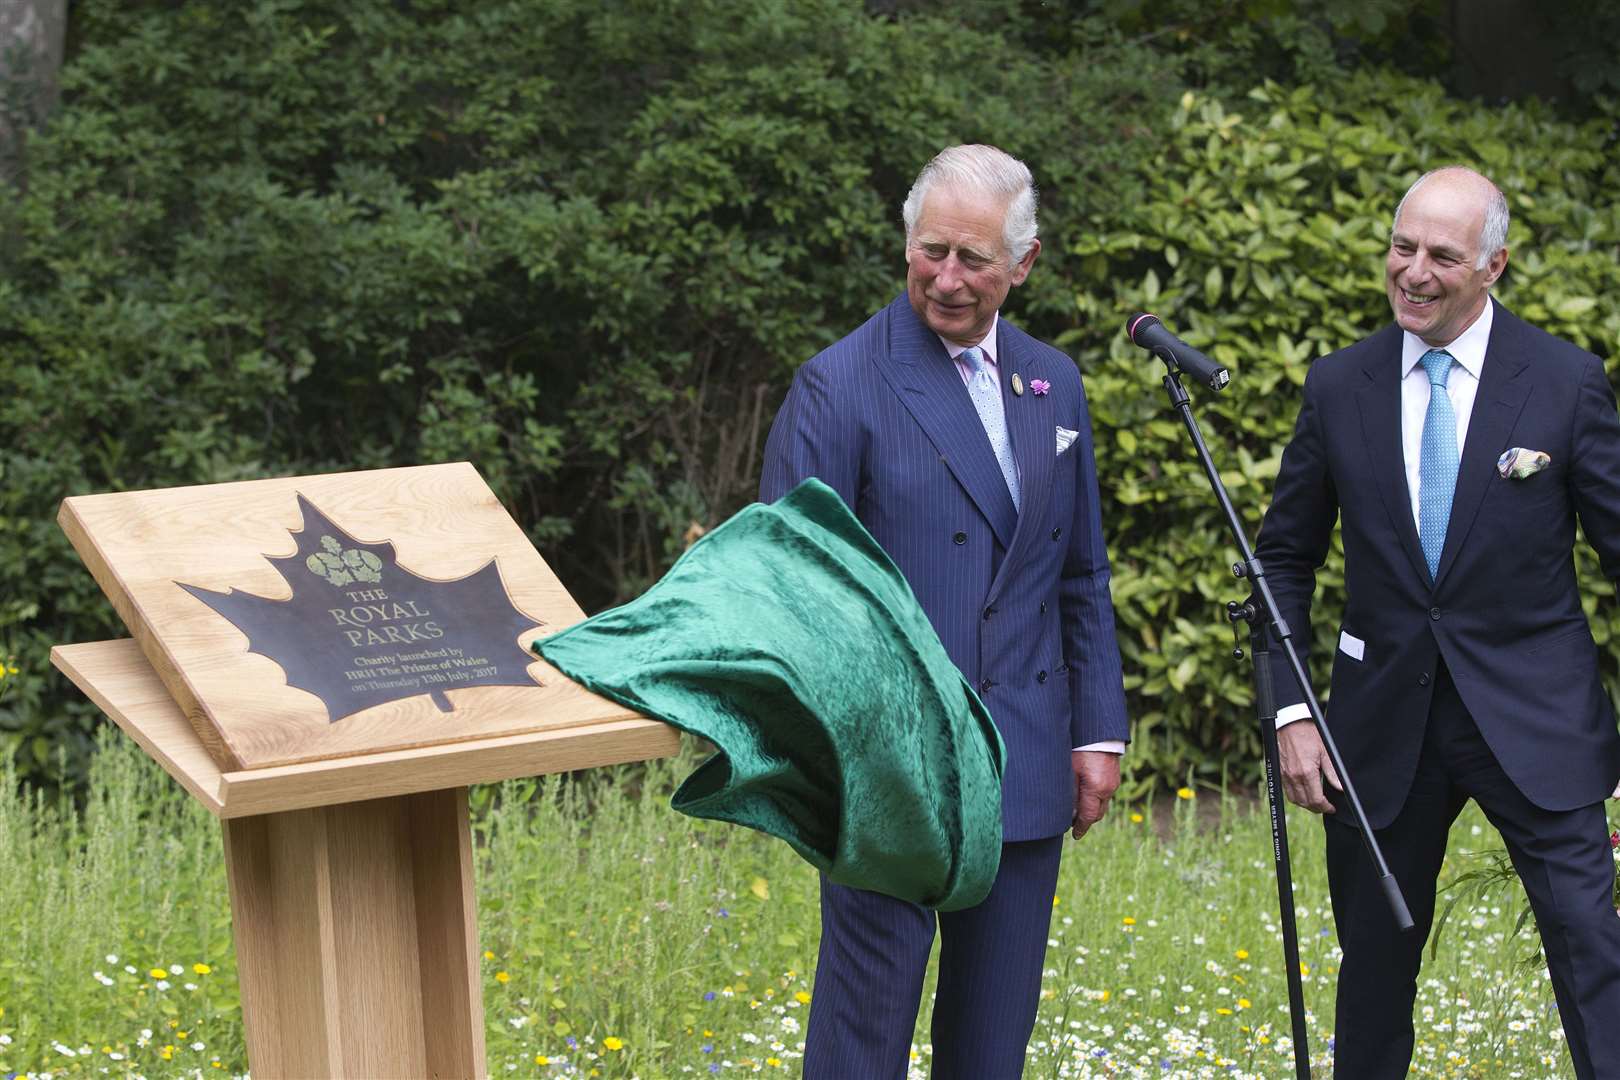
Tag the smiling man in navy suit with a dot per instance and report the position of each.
(1458, 447)
(964, 446)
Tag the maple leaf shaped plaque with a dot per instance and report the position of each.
(360, 630)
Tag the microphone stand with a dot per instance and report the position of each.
(1259, 611)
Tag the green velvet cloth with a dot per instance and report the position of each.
(789, 639)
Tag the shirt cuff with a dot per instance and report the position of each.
(1289, 713)
(1109, 746)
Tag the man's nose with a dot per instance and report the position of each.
(950, 274)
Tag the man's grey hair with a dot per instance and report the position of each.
(1493, 234)
(988, 171)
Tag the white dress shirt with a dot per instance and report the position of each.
(1110, 746)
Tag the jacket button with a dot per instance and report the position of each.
(1040, 676)
(985, 685)
(1423, 679)
(989, 611)
(1434, 613)
(960, 538)
(1057, 532)
(1043, 607)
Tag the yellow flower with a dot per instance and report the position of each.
(201, 969)
(1184, 793)
(613, 1042)
(1137, 819)
(1243, 1003)
(1224, 1012)
(1242, 954)
(776, 1062)
(158, 973)
(1129, 921)
(1105, 996)
(802, 998)
(502, 977)
(541, 1059)
(488, 955)
(1304, 968)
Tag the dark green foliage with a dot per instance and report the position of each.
(580, 245)
(584, 245)
(1260, 239)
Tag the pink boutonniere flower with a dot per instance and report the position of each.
(1039, 387)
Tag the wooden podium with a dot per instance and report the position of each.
(326, 663)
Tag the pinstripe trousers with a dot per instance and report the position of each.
(874, 953)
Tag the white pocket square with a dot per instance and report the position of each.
(1065, 439)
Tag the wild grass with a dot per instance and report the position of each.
(622, 940)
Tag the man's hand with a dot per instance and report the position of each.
(1304, 766)
(1096, 775)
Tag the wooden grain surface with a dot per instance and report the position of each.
(357, 941)
(444, 524)
(116, 676)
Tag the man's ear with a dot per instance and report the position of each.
(1021, 270)
(1495, 267)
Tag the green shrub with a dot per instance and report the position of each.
(1260, 240)
(584, 246)
(580, 245)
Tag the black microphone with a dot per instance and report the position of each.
(1147, 331)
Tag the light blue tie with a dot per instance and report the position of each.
(987, 399)
(1437, 461)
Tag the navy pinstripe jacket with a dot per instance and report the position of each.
(1019, 598)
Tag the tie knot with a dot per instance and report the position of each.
(1437, 362)
(975, 359)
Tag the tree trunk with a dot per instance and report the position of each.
(1506, 50)
(31, 35)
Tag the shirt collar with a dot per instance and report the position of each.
(1468, 348)
(988, 344)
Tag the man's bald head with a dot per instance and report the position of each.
(1446, 250)
(1467, 184)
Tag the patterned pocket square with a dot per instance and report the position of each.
(1065, 439)
(1518, 463)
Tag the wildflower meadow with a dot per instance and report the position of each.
(624, 940)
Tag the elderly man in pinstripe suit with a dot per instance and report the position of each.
(964, 446)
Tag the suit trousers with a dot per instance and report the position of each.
(874, 952)
(1562, 858)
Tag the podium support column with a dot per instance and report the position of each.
(356, 938)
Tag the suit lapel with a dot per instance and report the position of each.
(1497, 404)
(1380, 405)
(931, 388)
(1033, 429)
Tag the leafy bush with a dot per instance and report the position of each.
(585, 245)
(580, 245)
(1260, 240)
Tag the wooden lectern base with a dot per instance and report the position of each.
(355, 921)
(356, 938)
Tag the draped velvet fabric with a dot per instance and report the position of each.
(789, 639)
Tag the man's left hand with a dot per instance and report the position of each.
(1096, 775)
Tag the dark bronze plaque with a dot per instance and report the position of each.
(360, 630)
